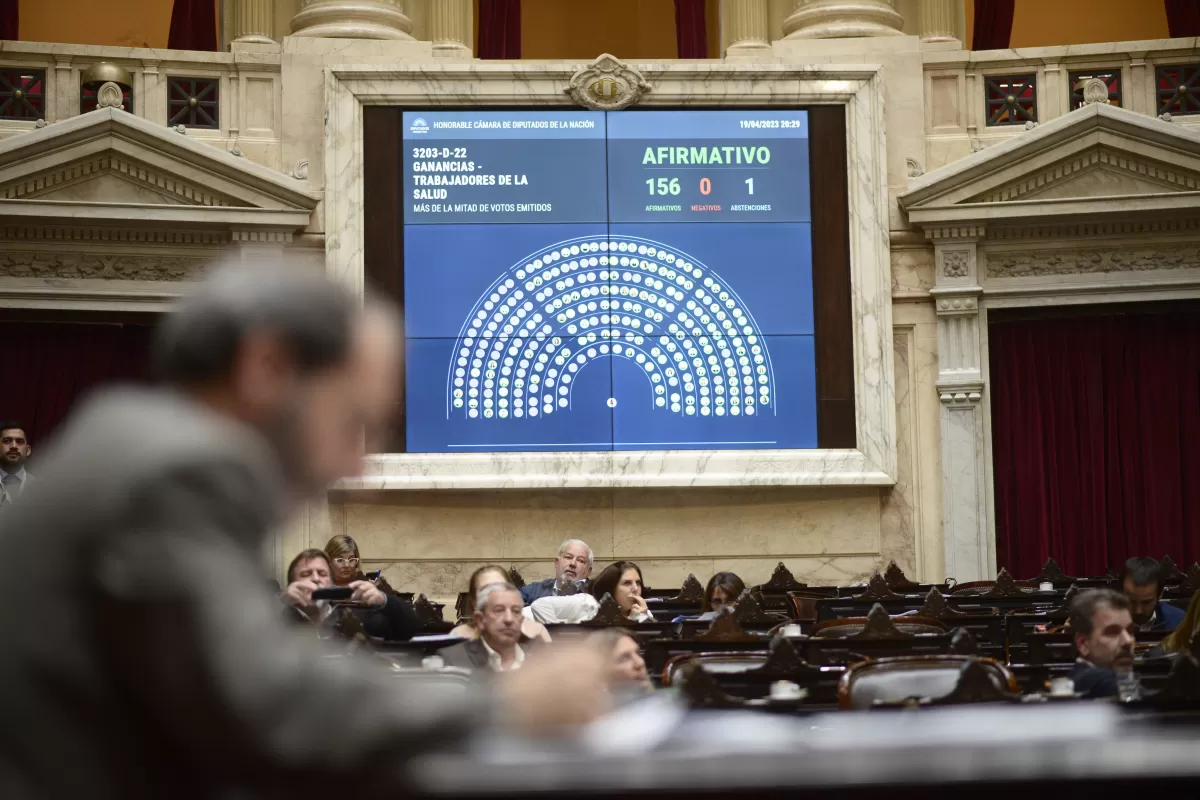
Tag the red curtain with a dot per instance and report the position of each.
(993, 24)
(499, 29)
(1096, 436)
(8, 19)
(1183, 18)
(193, 25)
(50, 365)
(691, 32)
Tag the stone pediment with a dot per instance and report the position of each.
(1097, 161)
(109, 165)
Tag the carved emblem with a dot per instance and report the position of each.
(691, 592)
(782, 581)
(1191, 583)
(915, 170)
(934, 606)
(109, 95)
(725, 628)
(300, 171)
(963, 643)
(896, 578)
(515, 578)
(749, 611)
(877, 589)
(879, 627)
(610, 613)
(955, 263)
(1005, 586)
(1053, 573)
(1170, 571)
(1094, 91)
(607, 85)
(783, 659)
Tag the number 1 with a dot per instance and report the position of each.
(750, 184)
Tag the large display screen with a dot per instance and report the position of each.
(634, 280)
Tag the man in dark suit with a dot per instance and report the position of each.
(574, 562)
(14, 452)
(1104, 638)
(381, 615)
(138, 643)
(498, 619)
(1141, 582)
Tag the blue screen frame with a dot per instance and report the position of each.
(720, 351)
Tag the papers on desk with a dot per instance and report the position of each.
(436, 638)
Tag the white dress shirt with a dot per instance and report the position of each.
(494, 662)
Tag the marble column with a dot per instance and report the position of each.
(352, 19)
(962, 332)
(254, 21)
(839, 19)
(450, 28)
(749, 26)
(939, 20)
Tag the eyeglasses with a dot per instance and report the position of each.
(346, 562)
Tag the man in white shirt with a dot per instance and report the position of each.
(14, 450)
(498, 618)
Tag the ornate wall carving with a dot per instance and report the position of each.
(955, 263)
(43, 264)
(1092, 260)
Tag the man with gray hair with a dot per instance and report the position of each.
(574, 564)
(498, 619)
(157, 664)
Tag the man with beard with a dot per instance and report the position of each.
(1104, 638)
(138, 643)
(14, 445)
(1141, 583)
(574, 563)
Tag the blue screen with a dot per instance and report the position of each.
(633, 280)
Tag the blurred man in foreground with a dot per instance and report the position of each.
(140, 654)
(1104, 638)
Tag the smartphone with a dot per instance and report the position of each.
(333, 593)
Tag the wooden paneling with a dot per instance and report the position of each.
(831, 277)
(383, 254)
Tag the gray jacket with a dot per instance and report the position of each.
(141, 654)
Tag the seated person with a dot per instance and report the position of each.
(383, 616)
(626, 667)
(1104, 638)
(484, 576)
(1182, 636)
(722, 593)
(623, 580)
(1141, 581)
(574, 562)
(498, 619)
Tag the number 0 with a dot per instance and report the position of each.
(705, 186)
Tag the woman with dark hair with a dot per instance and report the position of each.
(722, 592)
(485, 576)
(623, 580)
